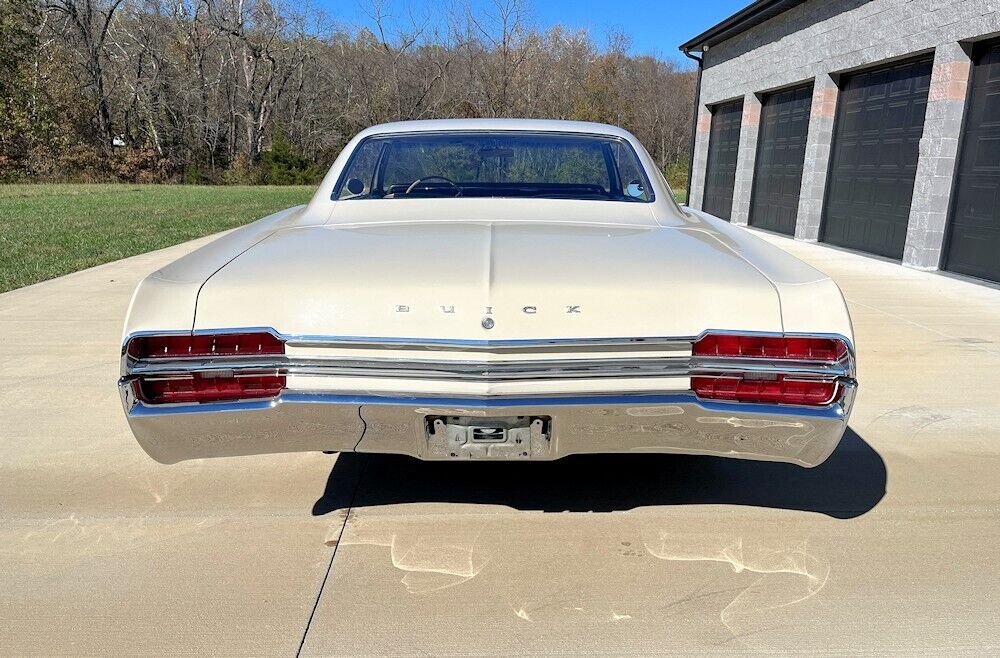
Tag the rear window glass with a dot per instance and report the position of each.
(539, 165)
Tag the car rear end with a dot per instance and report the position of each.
(490, 289)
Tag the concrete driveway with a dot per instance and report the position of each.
(891, 544)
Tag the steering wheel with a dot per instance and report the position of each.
(414, 184)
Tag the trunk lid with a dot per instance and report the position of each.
(440, 280)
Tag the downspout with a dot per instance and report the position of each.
(694, 120)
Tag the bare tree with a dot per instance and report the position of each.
(207, 89)
(88, 22)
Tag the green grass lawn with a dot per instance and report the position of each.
(50, 230)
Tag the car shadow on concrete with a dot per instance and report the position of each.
(848, 484)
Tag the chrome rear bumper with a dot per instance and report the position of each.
(670, 423)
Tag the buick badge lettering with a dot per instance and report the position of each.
(451, 309)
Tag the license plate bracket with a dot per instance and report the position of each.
(498, 438)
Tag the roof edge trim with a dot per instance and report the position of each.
(746, 18)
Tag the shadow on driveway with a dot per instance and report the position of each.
(848, 484)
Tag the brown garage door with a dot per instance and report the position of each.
(723, 149)
(781, 150)
(880, 119)
(974, 233)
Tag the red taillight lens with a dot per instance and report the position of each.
(237, 344)
(777, 391)
(202, 388)
(771, 347)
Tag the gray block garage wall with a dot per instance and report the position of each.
(815, 165)
(938, 156)
(746, 159)
(818, 40)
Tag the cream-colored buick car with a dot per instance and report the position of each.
(489, 289)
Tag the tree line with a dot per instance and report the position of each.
(262, 91)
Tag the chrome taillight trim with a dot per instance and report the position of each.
(549, 369)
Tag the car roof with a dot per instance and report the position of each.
(532, 125)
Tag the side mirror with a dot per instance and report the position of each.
(635, 190)
(355, 186)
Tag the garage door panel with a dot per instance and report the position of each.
(868, 156)
(974, 229)
(897, 191)
(890, 153)
(791, 186)
(872, 120)
(781, 148)
(979, 248)
(852, 121)
(878, 85)
(849, 153)
(988, 114)
(879, 231)
(987, 153)
(901, 86)
(863, 192)
(796, 152)
(874, 157)
(978, 201)
(988, 64)
(917, 113)
(774, 186)
(897, 117)
(857, 231)
(723, 152)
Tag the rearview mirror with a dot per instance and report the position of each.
(355, 186)
(635, 190)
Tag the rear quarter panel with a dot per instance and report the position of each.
(811, 302)
(166, 299)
